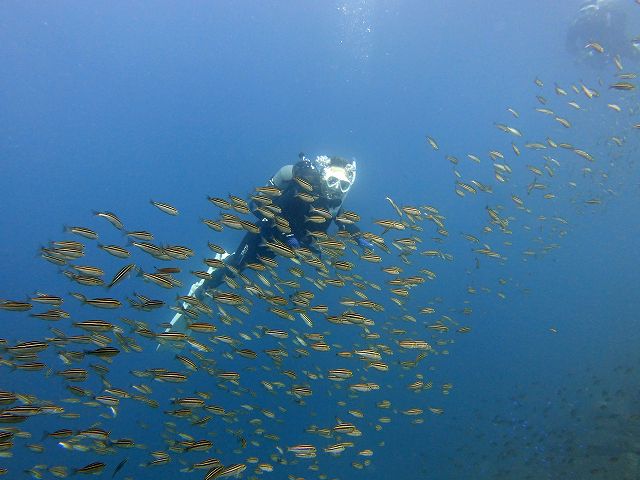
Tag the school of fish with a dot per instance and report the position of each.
(303, 336)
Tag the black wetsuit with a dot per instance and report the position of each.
(295, 210)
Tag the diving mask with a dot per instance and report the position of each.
(336, 179)
(337, 176)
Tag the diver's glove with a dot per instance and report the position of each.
(364, 243)
(291, 241)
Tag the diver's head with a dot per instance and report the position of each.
(337, 175)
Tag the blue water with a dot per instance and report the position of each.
(106, 105)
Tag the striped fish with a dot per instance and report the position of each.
(121, 275)
(83, 232)
(165, 207)
(115, 250)
(92, 468)
(111, 217)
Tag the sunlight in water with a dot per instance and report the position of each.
(355, 33)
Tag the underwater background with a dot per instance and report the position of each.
(106, 105)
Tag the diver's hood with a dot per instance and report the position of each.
(336, 176)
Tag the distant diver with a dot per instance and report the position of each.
(600, 33)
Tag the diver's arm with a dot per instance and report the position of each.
(282, 177)
(355, 232)
(350, 228)
(280, 180)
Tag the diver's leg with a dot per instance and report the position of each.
(180, 322)
(236, 262)
(247, 250)
(245, 253)
(217, 276)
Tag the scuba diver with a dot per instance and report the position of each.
(308, 197)
(602, 23)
